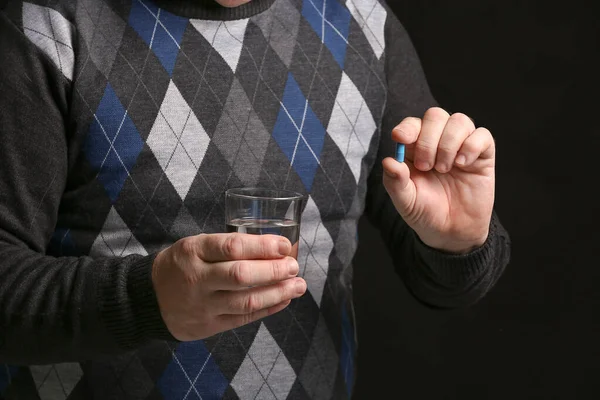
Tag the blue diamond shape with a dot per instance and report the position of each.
(195, 359)
(163, 35)
(334, 30)
(294, 114)
(112, 124)
(61, 244)
(347, 352)
(7, 374)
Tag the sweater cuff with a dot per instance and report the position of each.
(131, 309)
(455, 269)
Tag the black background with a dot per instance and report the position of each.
(525, 70)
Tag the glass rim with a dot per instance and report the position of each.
(281, 194)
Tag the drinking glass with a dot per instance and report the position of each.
(261, 211)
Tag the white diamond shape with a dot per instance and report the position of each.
(264, 360)
(351, 125)
(314, 250)
(178, 140)
(51, 32)
(371, 17)
(116, 239)
(226, 37)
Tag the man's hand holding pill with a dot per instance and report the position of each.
(444, 189)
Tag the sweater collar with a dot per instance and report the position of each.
(211, 10)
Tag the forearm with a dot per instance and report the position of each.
(71, 309)
(434, 277)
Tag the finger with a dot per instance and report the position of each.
(457, 129)
(479, 145)
(427, 143)
(407, 131)
(235, 275)
(258, 298)
(228, 321)
(239, 246)
(399, 186)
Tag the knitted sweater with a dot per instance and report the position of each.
(122, 123)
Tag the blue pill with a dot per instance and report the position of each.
(399, 152)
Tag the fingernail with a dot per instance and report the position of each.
(294, 268)
(284, 247)
(461, 159)
(389, 174)
(422, 165)
(440, 168)
(300, 286)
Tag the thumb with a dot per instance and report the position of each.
(400, 187)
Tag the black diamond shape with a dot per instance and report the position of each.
(365, 70)
(297, 392)
(76, 203)
(319, 80)
(203, 78)
(264, 89)
(206, 195)
(230, 394)
(330, 308)
(229, 354)
(90, 86)
(155, 357)
(311, 45)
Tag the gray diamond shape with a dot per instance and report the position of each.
(102, 31)
(280, 27)
(320, 368)
(184, 225)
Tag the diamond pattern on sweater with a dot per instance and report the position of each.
(371, 17)
(161, 30)
(241, 136)
(115, 239)
(299, 133)
(226, 37)
(280, 27)
(51, 32)
(113, 143)
(351, 125)
(191, 109)
(321, 366)
(178, 141)
(57, 381)
(7, 374)
(102, 31)
(331, 21)
(314, 249)
(264, 362)
(192, 374)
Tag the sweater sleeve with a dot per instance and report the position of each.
(434, 277)
(54, 309)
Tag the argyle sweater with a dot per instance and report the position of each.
(122, 124)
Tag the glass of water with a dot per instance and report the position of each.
(261, 211)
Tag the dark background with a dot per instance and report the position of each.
(527, 71)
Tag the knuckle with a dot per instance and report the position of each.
(436, 114)
(424, 146)
(233, 246)
(268, 246)
(188, 246)
(252, 303)
(409, 126)
(241, 273)
(279, 269)
(462, 120)
(448, 147)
